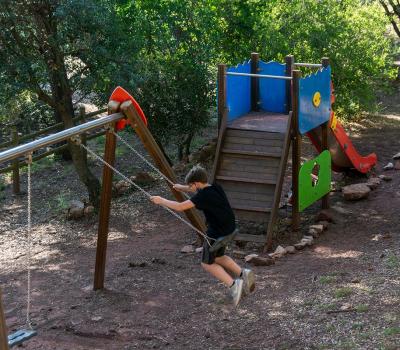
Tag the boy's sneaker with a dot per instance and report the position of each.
(236, 291)
(249, 283)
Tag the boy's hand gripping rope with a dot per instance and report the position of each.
(147, 194)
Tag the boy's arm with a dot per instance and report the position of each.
(178, 206)
(184, 188)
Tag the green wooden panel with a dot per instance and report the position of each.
(310, 191)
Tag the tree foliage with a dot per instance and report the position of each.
(166, 52)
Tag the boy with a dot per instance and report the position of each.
(212, 200)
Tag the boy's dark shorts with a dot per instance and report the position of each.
(208, 257)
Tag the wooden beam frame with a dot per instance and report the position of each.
(161, 162)
(296, 150)
(255, 93)
(324, 139)
(105, 204)
(222, 116)
(3, 327)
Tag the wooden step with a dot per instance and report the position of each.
(246, 179)
(256, 216)
(250, 208)
(252, 134)
(273, 153)
(250, 238)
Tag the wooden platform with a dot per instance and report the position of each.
(251, 163)
(261, 121)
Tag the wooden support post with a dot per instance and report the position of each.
(255, 90)
(158, 156)
(222, 115)
(289, 59)
(296, 151)
(3, 327)
(324, 138)
(15, 162)
(105, 204)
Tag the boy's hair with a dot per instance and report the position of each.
(196, 174)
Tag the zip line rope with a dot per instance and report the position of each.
(146, 161)
(147, 194)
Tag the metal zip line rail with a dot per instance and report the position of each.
(308, 65)
(259, 75)
(58, 137)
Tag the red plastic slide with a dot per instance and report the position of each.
(344, 155)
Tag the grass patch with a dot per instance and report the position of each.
(391, 331)
(392, 261)
(362, 308)
(357, 326)
(62, 202)
(343, 292)
(327, 279)
(328, 307)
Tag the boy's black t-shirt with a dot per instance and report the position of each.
(219, 215)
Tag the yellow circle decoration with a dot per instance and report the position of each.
(316, 100)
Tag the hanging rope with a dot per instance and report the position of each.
(147, 194)
(146, 161)
(28, 307)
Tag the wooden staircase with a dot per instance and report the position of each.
(250, 165)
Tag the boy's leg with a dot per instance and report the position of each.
(218, 271)
(229, 264)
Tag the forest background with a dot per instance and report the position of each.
(57, 53)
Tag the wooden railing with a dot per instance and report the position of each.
(16, 140)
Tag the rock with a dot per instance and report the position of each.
(308, 240)
(279, 252)
(388, 166)
(247, 258)
(324, 215)
(396, 156)
(76, 210)
(325, 224)
(385, 177)
(199, 250)
(319, 228)
(300, 246)
(122, 186)
(187, 249)
(179, 167)
(261, 261)
(143, 178)
(373, 182)
(355, 192)
(290, 249)
(89, 210)
(313, 233)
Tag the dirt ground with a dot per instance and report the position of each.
(341, 293)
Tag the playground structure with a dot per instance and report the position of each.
(263, 108)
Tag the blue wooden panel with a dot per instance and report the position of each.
(238, 92)
(310, 115)
(272, 91)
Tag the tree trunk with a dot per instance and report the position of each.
(62, 98)
(66, 152)
(187, 144)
